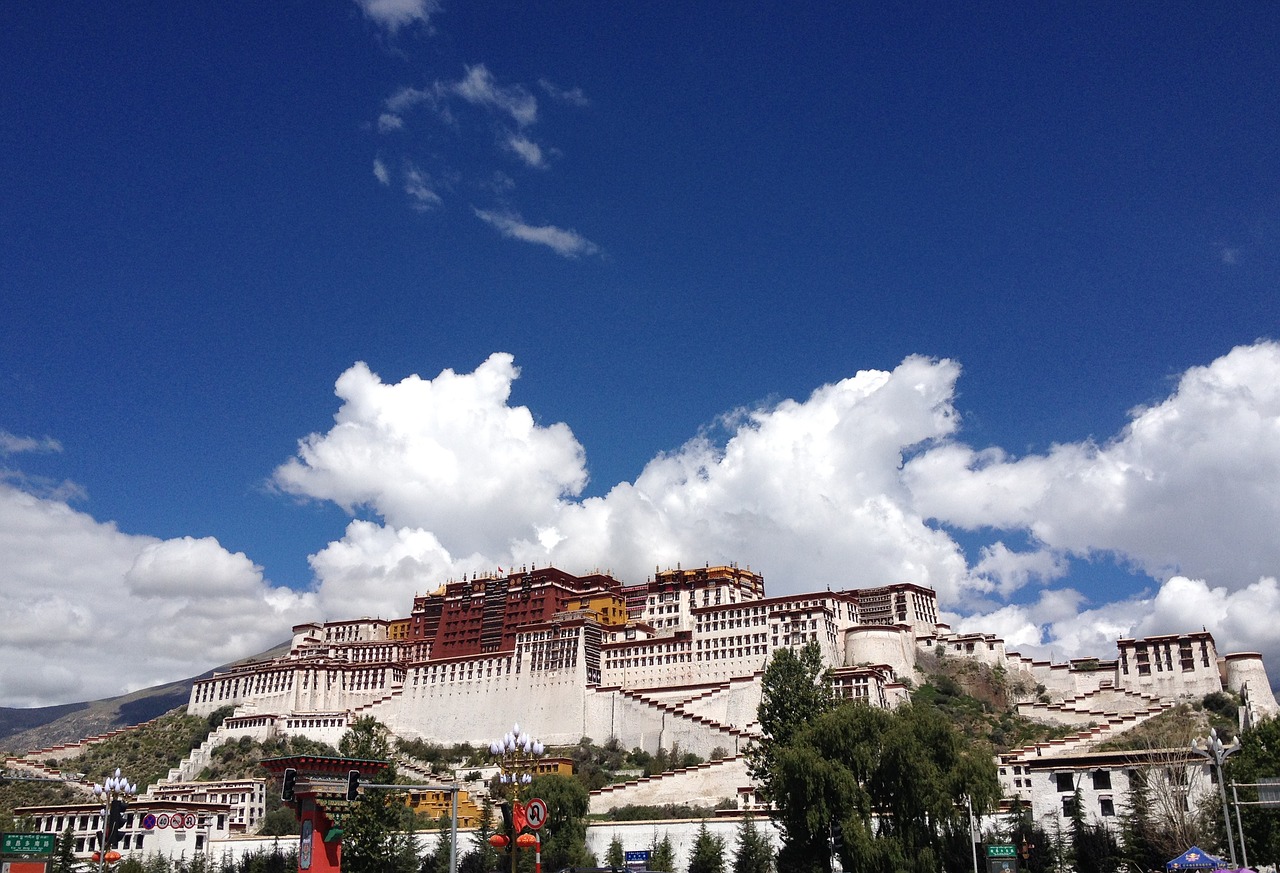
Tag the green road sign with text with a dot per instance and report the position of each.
(26, 844)
(1001, 852)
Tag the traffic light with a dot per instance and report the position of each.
(115, 823)
(353, 784)
(287, 784)
(508, 819)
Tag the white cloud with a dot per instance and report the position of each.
(570, 96)
(380, 172)
(568, 243)
(388, 121)
(92, 612)
(479, 87)
(381, 568)
(407, 98)
(11, 444)
(528, 150)
(1010, 570)
(445, 454)
(810, 488)
(395, 14)
(418, 186)
(1190, 486)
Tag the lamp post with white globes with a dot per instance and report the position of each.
(1213, 749)
(517, 754)
(114, 791)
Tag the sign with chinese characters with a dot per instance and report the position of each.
(26, 844)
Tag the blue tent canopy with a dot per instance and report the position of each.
(1194, 858)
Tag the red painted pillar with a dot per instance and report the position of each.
(314, 854)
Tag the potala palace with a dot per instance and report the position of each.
(678, 661)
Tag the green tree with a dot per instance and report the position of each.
(753, 853)
(1034, 844)
(279, 822)
(795, 689)
(64, 854)
(368, 739)
(375, 840)
(1258, 759)
(894, 781)
(662, 855)
(708, 852)
(566, 826)
(437, 860)
(483, 856)
(616, 856)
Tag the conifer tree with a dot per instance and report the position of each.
(753, 854)
(708, 852)
(615, 857)
(662, 855)
(64, 854)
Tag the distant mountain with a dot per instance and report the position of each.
(24, 730)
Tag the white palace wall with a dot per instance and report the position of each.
(1247, 675)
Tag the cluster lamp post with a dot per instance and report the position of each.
(1213, 750)
(517, 755)
(114, 792)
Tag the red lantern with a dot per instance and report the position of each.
(113, 856)
(97, 856)
(498, 841)
(526, 841)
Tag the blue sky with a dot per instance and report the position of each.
(1048, 239)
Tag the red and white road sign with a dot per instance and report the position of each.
(189, 819)
(535, 812)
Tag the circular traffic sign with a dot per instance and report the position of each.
(175, 820)
(535, 813)
(189, 819)
(162, 821)
(149, 821)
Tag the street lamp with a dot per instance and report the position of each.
(1213, 750)
(114, 792)
(517, 753)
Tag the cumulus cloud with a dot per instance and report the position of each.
(1190, 486)
(380, 172)
(88, 608)
(813, 486)
(1010, 570)
(446, 454)
(395, 14)
(567, 243)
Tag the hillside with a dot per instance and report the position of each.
(22, 730)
